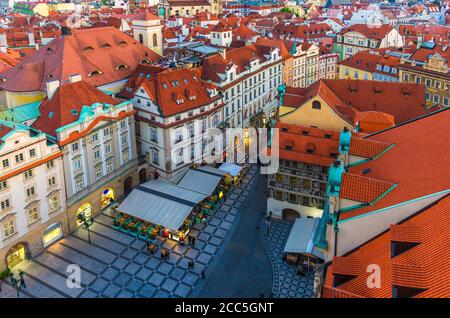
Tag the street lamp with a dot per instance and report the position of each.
(87, 223)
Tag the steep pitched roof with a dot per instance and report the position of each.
(66, 104)
(424, 267)
(417, 162)
(99, 51)
(369, 31)
(362, 189)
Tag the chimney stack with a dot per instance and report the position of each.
(75, 78)
(51, 87)
(31, 38)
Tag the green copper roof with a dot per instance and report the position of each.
(22, 113)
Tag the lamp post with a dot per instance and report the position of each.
(87, 223)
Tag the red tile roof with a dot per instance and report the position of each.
(424, 266)
(418, 162)
(66, 104)
(362, 189)
(83, 52)
(367, 148)
(293, 136)
(166, 87)
(371, 32)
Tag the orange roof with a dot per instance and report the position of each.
(372, 121)
(275, 43)
(362, 189)
(366, 148)
(66, 104)
(83, 52)
(295, 140)
(418, 162)
(371, 32)
(423, 268)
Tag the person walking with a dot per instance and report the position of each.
(191, 265)
(203, 274)
(193, 241)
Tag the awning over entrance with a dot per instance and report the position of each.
(203, 179)
(162, 203)
(301, 238)
(231, 168)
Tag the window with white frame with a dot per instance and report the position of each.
(107, 148)
(79, 184)
(180, 156)
(19, 157)
(53, 203)
(31, 192)
(76, 164)
(97, 154)
(50, 164)
(155, 157)
(153, 134)
(95, 137)
(33, 214)
(123, 124)
(74, 146)
(3, 185)
(5, 204)
(109, 166)
(28, 174)
(98, 172)
(124, 140)
(32, 152)
(51, 181)
(8, 228)
(5, 163)
(106, 132)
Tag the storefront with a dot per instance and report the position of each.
(16, 255)
(52, 234)
(107, 197)
(85, 209)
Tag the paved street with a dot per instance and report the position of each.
(244, 270)
(287, 283)
(116, 264)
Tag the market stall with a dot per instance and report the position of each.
(235, 171)
(159, 207)
(299, 248)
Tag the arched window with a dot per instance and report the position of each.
(316, 104)
(155, 39)
(141, 38)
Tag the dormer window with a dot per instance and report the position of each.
(88, 49)
(106, 46)
(121, 67)
(180, 101)
(191, 98)
(122, 43)
(95, 72)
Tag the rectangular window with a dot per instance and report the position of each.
(5, 204)
(106, 132)
(107, 148)
(155, 157)
(30, 192)
(32, 152)
(445, 101)
(123, 124)
(51, 181)
(77, 164)
(5, 163)
(8, 228)
(19, 158)
(153, 134)
(97, 155)
(28, 174)
(94, 137)
(109, 166)
(436, 99)
(50, 164)
(98, 172)
(124, 140)
(3, 185)
(75, 146)
(33, 214)
(79, 184)
(53, 202)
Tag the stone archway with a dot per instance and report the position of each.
(16, 254)
(290, 214)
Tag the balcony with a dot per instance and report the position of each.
(314, 191)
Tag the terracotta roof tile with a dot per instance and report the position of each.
(366, 148)
(362, 189)
(425, 266)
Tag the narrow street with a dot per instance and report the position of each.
(244, 269)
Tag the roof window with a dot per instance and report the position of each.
(121, 67)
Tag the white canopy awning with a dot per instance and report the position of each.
(203, 179)
(301, 238)
(231, 168)
(161, 202)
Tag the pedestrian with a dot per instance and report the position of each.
(203, 274)
(162, 254)
(193, 241)
(191, 265)
(22, 283)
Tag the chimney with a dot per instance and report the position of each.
(31, 39)
(75, 78)
(66, 30)
(3, 41)
(51, 87)
(223, 53)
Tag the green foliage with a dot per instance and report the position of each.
(5, 273)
